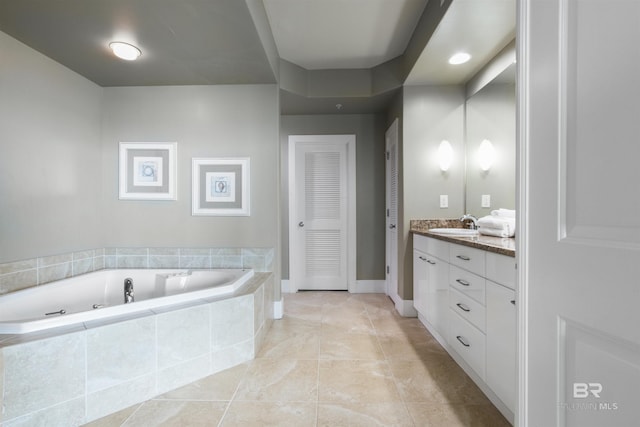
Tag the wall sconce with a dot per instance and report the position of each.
(445, 155)
(486, 155)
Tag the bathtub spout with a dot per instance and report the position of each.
(128, 290)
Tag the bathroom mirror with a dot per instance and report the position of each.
(490, 146)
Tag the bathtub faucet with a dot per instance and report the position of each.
(128, 290)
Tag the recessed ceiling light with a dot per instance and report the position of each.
(125, 51)
(459, 58)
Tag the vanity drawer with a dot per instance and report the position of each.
(470, 259)
(467, 283)
(501, 269)
(468, 308)
(433, 247)
(468, 342)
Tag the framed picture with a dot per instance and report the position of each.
(148, 170)
(221, 186)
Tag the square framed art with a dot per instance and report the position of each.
(148, 171)
(221, 186)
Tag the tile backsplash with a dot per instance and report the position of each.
(24, 274)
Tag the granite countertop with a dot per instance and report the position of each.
(500, 245)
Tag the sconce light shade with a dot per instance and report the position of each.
(445, 155)
(486, 155)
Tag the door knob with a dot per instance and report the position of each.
(301, 224)
(392, 226)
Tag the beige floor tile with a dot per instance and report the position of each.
(398, 326)
(170, 413)
(296, 310)
(363, 415)
(116, 419)
(428, 414)
(356, 381)
(435, 380)
(264, 414)
(219, 386)
(408, 348)
(317, 299)
(291, 339)
(347, 321)
(337, 344)
(280, 380)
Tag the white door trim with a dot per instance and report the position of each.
(522, 196)
(391, 275)
(350, 141)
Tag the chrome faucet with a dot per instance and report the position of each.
(473, 219)
(128, 290)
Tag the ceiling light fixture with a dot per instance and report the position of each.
(125, 51)
(459, 58)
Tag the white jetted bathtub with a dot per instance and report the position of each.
(101, 294)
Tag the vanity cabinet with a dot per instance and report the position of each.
(467, 295)
(430, 278)
(501, 370)
(467, 313)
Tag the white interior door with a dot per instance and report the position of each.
(391, 238)
(319, 215)
(579, 238)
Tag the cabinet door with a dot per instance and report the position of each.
(501, 342)
(437, 294)
(420, 276)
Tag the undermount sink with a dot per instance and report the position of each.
(454, 231)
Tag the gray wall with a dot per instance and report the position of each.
(369, 130)
(430, 114)
(60, 133)
(50, 183)
(205, 121)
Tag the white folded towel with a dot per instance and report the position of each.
(501, 226)
(495, 232)
(505, 213)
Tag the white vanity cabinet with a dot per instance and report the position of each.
(501, 368)
(476, 317)
(467, 313)
(430, 279)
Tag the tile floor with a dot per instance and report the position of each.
(335, 359)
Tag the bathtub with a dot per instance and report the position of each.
(100, 295)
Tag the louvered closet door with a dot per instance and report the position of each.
(321, 215)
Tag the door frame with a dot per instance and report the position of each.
(350, 141)
(393, 293)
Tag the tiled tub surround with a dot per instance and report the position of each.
(500, 245)
(38, 271)
(78, 376)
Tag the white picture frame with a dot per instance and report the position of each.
(221, 187)
(147, 171)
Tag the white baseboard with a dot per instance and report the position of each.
(361, 287)
(278, 309)
(405, 308)
(369, 287)
(285, 286)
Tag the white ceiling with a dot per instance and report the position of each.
(334, 34)
(479, 27)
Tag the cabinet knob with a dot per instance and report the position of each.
(463, 257)
(462, 282)
(513, 302)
